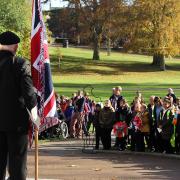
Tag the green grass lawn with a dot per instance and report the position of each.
(132, 72)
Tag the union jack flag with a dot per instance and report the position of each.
(40, 67)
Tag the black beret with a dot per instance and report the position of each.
(9, 38)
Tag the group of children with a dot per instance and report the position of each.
(139, 127)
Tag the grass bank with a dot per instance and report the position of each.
(132, 72)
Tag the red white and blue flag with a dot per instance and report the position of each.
(41, 72)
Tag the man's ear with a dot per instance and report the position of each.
(15, 47)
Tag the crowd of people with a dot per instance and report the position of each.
(139, 126)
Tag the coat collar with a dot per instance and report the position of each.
(4, 53)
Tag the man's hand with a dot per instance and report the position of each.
(34, 117)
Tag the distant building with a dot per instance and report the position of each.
(54, 4)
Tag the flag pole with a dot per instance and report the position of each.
(36, 154)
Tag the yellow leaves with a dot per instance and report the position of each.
(157, 26)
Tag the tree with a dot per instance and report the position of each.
(74, 7)
(15, 15)
(156, 28)
(95, 14)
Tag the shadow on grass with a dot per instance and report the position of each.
(174, 67)
(71, 64)
(126, 86)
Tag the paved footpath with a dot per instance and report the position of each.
(65, 161)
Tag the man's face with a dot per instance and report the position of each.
(151, 100)
(117, 92)
(13, 48)
(170, 91)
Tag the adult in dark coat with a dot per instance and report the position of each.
(171, 94)
(116, 97)
(16, 94)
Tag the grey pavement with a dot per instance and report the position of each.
(65, 160)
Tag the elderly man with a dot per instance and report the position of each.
(16, 96)
(172, 95)
(116, 97)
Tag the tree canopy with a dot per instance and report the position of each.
(145, 26)
(155, 28)
(96, 16)
(15, 15)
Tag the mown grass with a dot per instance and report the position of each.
(132, 72)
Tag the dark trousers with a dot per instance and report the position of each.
(178, 143)
(132, 134)
(84, 125)
(152, 139)
(90, 121)
(140, 145)
(147, 139)
(98, 136)
(121, 142)
(13, 151)
(167, 146)
(159, 142)
(106, 138)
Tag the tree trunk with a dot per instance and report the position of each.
(159, 61)
(108, 46)
(78, 40)
(96, 47)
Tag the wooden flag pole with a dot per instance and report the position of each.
(36, 154)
